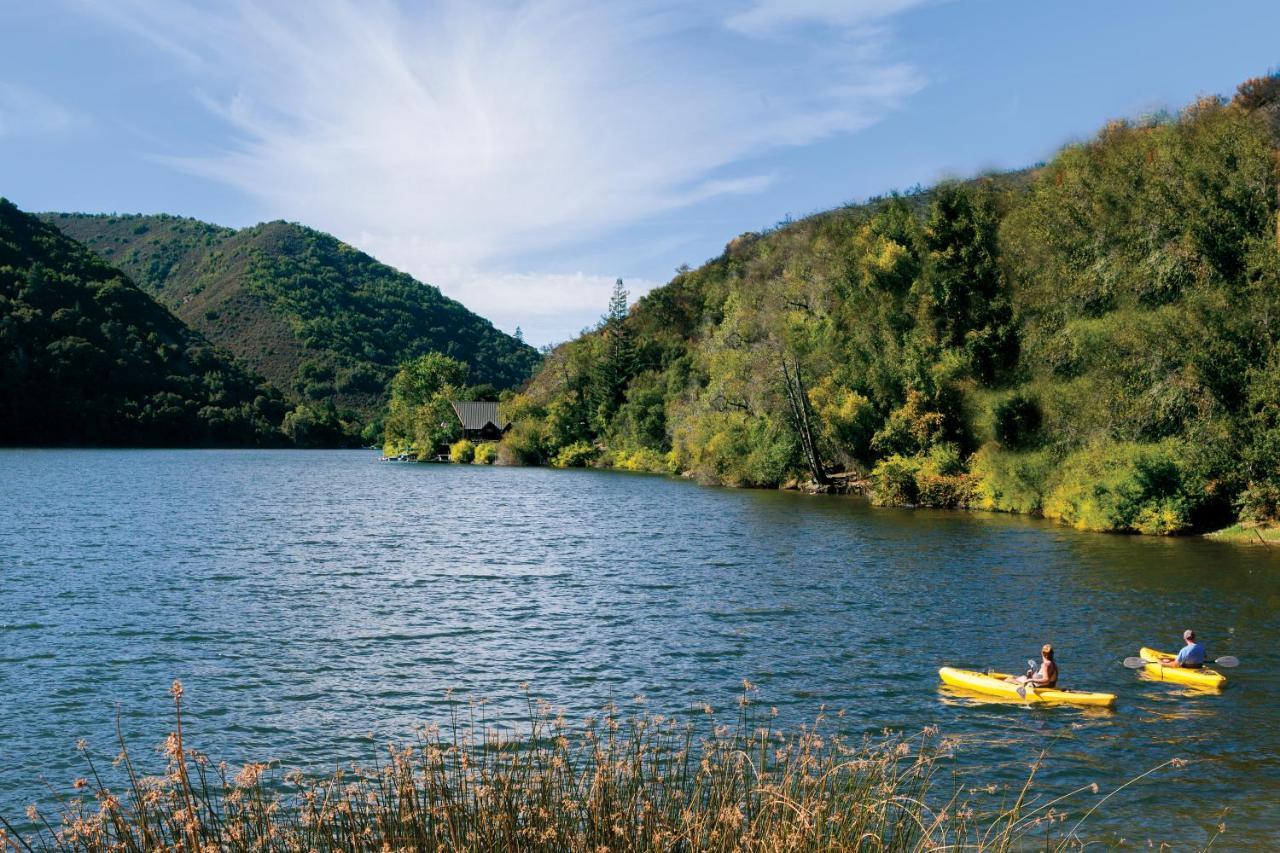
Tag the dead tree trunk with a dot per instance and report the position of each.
(802, 418)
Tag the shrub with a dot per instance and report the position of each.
(937, 479)
(737, 449)
(956, 491)
(524, 444)
(1010, 481)
(1125, 487)
(580, 454)
(1260, 502)
(910, 428)
(942, 460)
(893, 481)
(486, 452)
(644, 459)
(462, 452)
(1016, 420)
(847, 418)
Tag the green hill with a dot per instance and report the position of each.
(1094, 341)
(325, 323)
(87, 358)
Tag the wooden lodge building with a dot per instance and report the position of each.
(480, 422)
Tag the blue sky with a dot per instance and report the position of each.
(522, 155)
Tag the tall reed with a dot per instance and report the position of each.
(645, 783)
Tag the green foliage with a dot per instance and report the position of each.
(738, 449)
(316, 426)
(576, 455)
(1033, 342)
(462, 452)
(963, 295)
(87, 358)
(1127, 487)
(525, 444)
(911, 428)
(616, 363)
(893, 481)
(643, 459)
(936, 479)
(848, 419)
(1016, 420)
(1012, 481)
(421, 379)
(527, 441)
(322, 321)
(420, 417)
(641, 419)
(486, 453)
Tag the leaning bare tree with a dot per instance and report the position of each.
(802, 415)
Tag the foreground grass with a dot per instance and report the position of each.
(646, 783)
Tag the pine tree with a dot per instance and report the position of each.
(617, 304)
(617, 362)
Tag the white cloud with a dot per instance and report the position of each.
(547, 306)
(26, 112)
(767, 17)
(480, 132)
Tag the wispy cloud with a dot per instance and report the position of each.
(461, 136)
(548, 307)
(26, 112)
(770, 17)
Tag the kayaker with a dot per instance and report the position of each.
(1046, 675)
(1190, 657)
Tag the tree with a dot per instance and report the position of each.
(421, 379)
(802, 417)
(617, 360)
(963, 293)
(419, 417)
(1258, 92)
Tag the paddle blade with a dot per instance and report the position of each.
(1022, 691)
(1135, 663)
(1228, 661)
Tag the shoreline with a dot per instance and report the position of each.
(1265, 533)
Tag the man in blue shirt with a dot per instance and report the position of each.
(1192, 654)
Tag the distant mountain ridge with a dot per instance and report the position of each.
(324, 322)
(88, 358)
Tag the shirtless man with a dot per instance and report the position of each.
(1046, 675)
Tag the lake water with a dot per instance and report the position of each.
(308, 599)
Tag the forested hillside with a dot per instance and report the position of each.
(327, 324)
(87, 358)
(1097, 343)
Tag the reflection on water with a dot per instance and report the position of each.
(309, 600)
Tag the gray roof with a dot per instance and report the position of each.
(476, 415)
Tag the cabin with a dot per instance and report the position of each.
(480, 421)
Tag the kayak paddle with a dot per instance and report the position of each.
(1027, 685)
(1138, 663)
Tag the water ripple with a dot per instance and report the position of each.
(309, 600)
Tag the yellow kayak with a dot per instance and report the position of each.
(1207, 679)
(994, 684)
